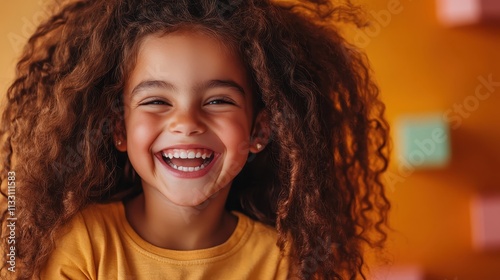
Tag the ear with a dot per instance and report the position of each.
(120, 136)
(261, 132)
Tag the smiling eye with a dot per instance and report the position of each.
(220, 101)
(154, 102)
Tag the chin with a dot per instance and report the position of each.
(199, 201)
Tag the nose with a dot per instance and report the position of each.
(186, 122)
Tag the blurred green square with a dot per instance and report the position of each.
(423, 141)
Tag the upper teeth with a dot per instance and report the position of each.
(190, 153)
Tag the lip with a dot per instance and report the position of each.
(188, 175)
(189, 146)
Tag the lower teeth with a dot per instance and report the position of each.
(188, 169)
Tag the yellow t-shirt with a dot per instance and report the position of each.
(101, 244)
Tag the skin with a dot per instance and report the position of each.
(170, 98)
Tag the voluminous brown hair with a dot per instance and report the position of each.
(318, 181)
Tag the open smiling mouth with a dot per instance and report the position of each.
(188, 160)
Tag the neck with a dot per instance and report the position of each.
(170, 226)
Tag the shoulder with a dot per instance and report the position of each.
(89, 229)
(95, 224)
(260, 249)
(79, 242)
(257, 228)
(94, 219)
(257, 236)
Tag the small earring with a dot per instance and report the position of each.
(258, 146)
(118, 142)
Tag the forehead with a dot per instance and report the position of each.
(192, 39)
(186, 54)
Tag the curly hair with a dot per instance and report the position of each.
(318, 181)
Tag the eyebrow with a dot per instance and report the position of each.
(159, 84)
(152, 84)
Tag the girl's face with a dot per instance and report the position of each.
(188, 114)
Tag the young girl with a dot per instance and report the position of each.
(191, 140)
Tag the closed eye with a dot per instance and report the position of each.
(154, 102)
(221, 101)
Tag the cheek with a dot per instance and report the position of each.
(235, 136)
(141, 132)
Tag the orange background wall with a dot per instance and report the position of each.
(17, 21)
(421, 67)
